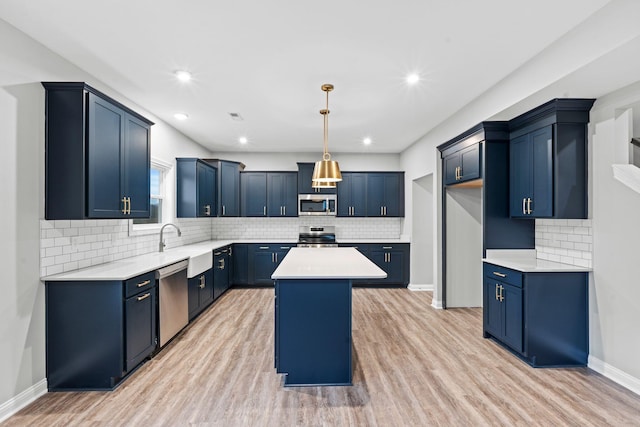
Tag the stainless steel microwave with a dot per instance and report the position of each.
(317, 204)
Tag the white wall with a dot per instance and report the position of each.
(614, 294)
(422, 237)
(25, 64)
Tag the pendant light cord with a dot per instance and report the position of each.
(325, 113)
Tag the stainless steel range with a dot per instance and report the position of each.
(317, 237)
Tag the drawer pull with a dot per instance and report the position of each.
(145, 296)
(264, 247)
(145, 283)
(285, 247)
(499, 274)
(219, 253)
(387, 247)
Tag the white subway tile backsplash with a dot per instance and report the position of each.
(568, 241)
(69, 245)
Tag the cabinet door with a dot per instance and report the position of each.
(492, 311)
(451, 164)
(240, 264)
(220, 274)
(140, 327)
(280, 253)
(375, 194)
(470, 163)
(263, 265)
(136, 164)
(282, 190)
(512, 307)
(393, 195)
(206, 291)
(254, 194)
(105, 141)
(205, 190)
(193, 285)
(344, 195)
(542, 173)
(229, 189)
(520, 175)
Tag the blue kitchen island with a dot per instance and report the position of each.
(313, 314)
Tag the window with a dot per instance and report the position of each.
(158, 202)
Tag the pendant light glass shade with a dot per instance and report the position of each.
(326, 171)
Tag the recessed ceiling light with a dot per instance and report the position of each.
(366, 141)
(183, 76)
(413, 78)
(181, 116)
(243, 140)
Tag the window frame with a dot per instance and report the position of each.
(143, 229)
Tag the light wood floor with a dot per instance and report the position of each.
(413, 366)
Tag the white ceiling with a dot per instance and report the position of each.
(266, 60)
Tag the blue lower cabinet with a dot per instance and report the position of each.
(200, 292)
(313, 332)
(98, 332)
(240, 262)
(393, 258)
(220, 271)
(263, 260)
(542, 317)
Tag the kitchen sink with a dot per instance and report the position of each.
(199, 263)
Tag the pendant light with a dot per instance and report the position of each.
(326, 172)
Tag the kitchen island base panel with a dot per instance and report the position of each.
(313, 331)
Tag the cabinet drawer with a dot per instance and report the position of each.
(139, 283)
(503, 274)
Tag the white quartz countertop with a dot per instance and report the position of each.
(327, 263)
(526, 262)
(127, 268)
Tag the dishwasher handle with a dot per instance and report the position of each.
(171, 269)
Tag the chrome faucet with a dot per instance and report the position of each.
(162, 244)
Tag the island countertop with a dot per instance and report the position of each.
(327, 263)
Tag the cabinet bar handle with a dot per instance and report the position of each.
(276, 254)
(145, 296)
(497, 295)
(524, 202)
(501, 291)
(529, 205)
(207, 210)
(264, 210)
(221, 262)
(499, 274)
(141, 284)
(264, 247)
(380, 210)
(387, 247)
(219, 253)
(284, 210)
(124, 205)
(273, 259)
(285, 247)
(129, 205)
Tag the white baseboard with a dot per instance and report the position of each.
(416, 287)
(437, 304)
(615, 374)
(18, 402)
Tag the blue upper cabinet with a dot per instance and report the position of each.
(269, 194)
(352, 194)
(282, 193)
(254, 193)
(385, 194)
(548, 160)
(97, 155)
(305, 173)
(462, 165)
(228, 182)
(195, 188)
(531, 174)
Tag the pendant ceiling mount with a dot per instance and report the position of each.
(326, 171)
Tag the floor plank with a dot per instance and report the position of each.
(413, 365)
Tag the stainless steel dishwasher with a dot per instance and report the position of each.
(173, 296)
